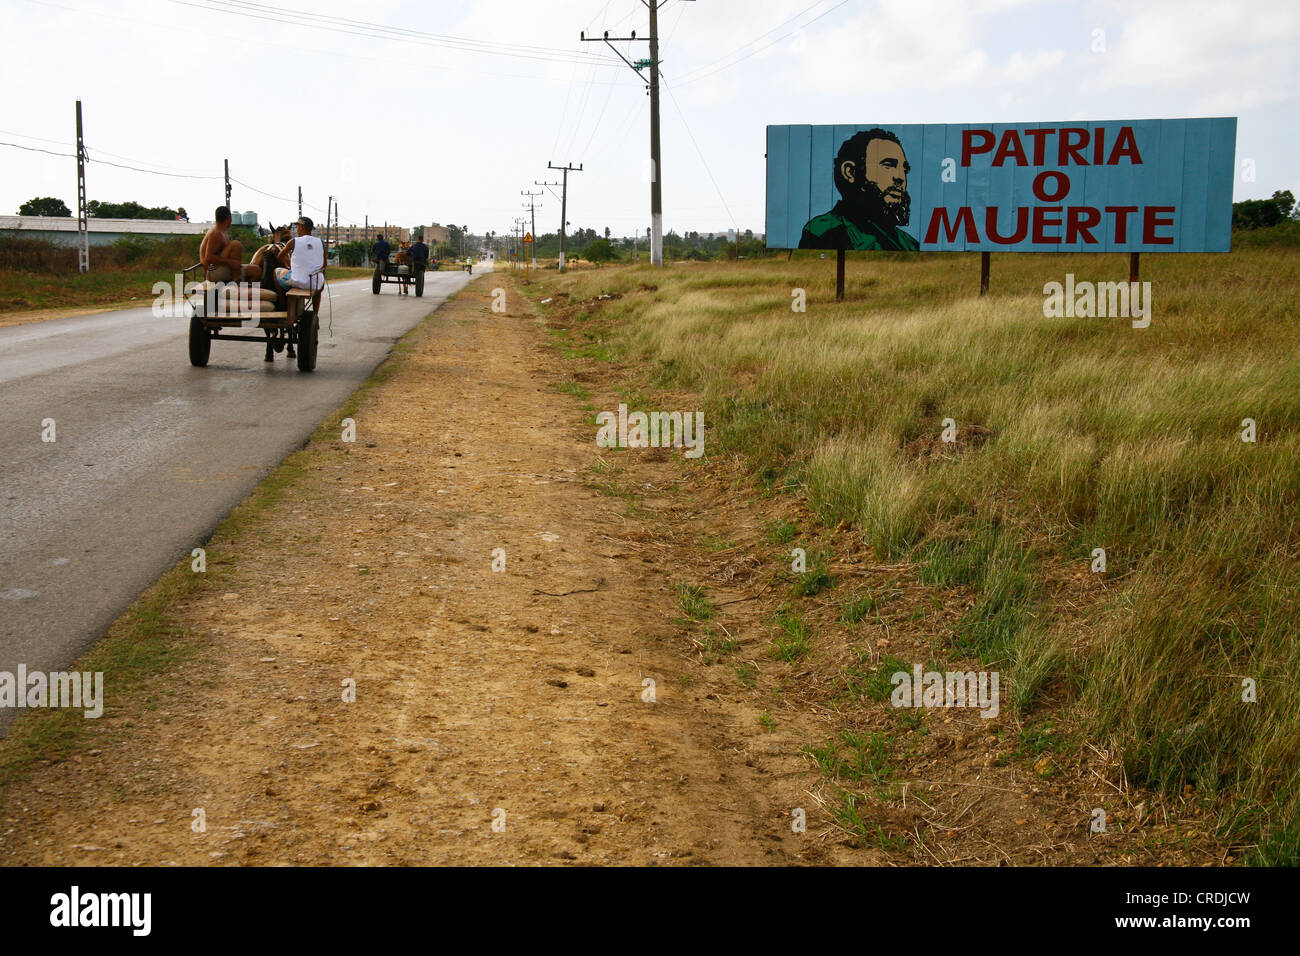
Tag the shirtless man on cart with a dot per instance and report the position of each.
(223, 263)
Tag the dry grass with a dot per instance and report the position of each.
(1072, 434)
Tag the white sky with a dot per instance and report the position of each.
(417, 131)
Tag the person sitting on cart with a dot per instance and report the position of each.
(418, 256)
(306, 260)
(223, 257)
(379, 251)
(223, 263)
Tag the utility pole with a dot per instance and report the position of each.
(365, 241)
(227, 184)
(329, 206)
(299, 202)
(564, 202)
(656, 171)
(656, 191)
(520, 226)
(532, 209)
(83, 225)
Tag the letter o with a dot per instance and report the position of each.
(1040, 185)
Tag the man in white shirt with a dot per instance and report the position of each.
(306, 255)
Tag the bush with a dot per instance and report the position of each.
(600, 250)
(352, 253)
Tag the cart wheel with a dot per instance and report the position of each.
(200, 343)
(374, 282)
(307, 329)
(419, 283)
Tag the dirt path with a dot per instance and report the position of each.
(476, 691)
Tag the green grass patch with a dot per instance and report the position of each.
(793, 638)
(694, 602)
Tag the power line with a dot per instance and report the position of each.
(105, 162)
(35, 149)
(691, 76)
(687, 127)
(378, 31)
(259, 191)
(187, 32)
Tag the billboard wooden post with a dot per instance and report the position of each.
(984, 272)
(1133, 266)
(839, 275)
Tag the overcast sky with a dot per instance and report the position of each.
(455, 107)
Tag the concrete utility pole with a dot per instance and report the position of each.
(656, 167)
(532, 210)
(564, 203)
(227, 184)
(365, 241)
(656, 191)
(83, 225)
(329, 206)
(299, 202)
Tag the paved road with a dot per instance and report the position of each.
(150, 453)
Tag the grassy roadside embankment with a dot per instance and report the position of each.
(1072, 434)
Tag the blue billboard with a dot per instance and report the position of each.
(1115, 186)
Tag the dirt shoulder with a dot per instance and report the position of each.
(476, 691)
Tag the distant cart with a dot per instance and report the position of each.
(387, 270)
(297, 326)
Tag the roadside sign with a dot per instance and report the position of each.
(1162, 185)
(528, 237)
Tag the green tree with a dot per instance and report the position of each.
(1285, 200)
(1256, 214)
(44, 206)
(600, 250)
(127, 210)
(352, 253)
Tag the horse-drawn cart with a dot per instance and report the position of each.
(388, 270)
(215, 313)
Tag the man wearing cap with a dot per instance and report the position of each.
(306, 260)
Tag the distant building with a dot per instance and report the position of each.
(436, 233)
(100, 232)
(355, 233)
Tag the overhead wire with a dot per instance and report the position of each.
(704, 161)
(372, 30)
(693, 76)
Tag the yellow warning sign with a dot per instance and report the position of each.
(528, 237)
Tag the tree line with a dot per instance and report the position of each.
(50, 206)
(1262, 213)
